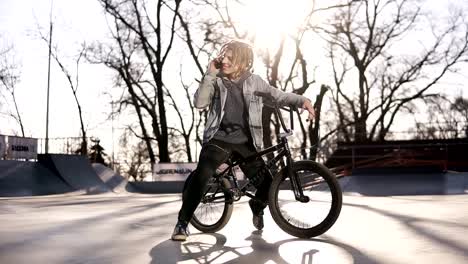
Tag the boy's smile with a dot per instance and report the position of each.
(227, 66)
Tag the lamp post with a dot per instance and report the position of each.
(48, 83)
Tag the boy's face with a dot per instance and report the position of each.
(228, 67)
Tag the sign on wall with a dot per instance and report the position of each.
(180, 171)
(172, 171)
(2, 146)
(21, 148)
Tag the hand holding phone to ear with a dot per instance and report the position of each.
(215, 65)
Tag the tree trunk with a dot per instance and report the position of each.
(315, 129)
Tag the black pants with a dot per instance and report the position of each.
(212, 155)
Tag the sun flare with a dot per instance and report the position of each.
(269, 20)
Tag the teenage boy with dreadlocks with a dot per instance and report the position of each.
(234, 126)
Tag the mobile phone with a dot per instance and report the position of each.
(218, 63)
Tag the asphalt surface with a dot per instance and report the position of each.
(379, 223)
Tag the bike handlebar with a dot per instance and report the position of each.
(272, 103)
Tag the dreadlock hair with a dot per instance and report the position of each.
(242, 55)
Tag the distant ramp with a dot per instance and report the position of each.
(405, 184)
(75, 170)
(114, 181)
(456, 182)
(24, 178)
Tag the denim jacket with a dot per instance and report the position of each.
(214, 96)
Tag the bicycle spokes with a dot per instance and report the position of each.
(305, 199)
(214, 194)
(215, 208)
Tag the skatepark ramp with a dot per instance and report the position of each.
(24, 178)
(112, 179)
(76, 171)
(74, 174)
(70, 174)
(401, 183)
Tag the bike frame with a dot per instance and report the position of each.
(283, 152)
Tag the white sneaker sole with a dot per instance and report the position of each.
(179, 238)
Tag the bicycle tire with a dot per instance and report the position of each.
(199, 220)
(288, 223)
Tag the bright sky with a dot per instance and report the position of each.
(74, 22)
(19, 23)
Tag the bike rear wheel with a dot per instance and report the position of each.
(215, 208)
(319, 213)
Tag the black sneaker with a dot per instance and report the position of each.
(181, 232)
(257, 211)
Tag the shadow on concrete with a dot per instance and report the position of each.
(84, 223)
(260, 251)
(416, 224)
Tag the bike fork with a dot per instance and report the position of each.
(295, 182)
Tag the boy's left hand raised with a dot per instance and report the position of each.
(310, 108)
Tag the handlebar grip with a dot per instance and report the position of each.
(272, 103)
(275, 106)
(268, 101)
(264, 95)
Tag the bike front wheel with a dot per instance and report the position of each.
(318, 212)
(215, 208)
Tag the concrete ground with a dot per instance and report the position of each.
(135, 228)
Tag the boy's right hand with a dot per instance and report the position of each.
(212, 67)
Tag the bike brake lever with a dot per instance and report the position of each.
(285, 134)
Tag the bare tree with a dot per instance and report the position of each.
(386, 82)
(141, 66)
(461, 106)
(135, 160)
(9, 77)
(184, 131)
(129, 76)
(298, 79)
(73, 81)
(196, 50)
(441, 124)
(314, 127)
(74, 84)
(448, 119)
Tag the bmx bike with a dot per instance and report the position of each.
(305, 198)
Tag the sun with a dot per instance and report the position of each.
(269, 20)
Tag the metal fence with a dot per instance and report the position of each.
(445, 155)
(63, 145)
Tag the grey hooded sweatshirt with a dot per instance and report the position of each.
(212, 93)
